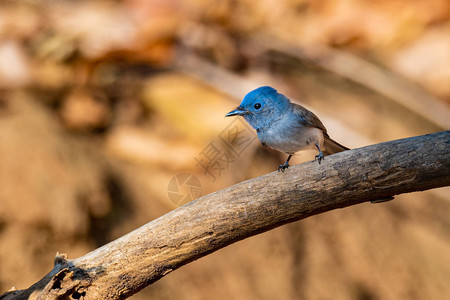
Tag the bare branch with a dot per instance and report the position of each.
(130, 263)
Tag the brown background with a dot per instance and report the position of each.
(101, 105)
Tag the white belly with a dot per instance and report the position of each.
(291, 141)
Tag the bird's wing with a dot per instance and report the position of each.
(307, 118)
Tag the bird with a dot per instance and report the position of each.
(285, 126)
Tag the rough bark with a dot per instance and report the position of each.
(130, 263)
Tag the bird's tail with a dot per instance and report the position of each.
(332, 146)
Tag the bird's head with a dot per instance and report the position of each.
(261, 107)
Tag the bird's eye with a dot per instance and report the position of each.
(257, 106)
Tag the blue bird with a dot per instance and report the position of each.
(285, 126)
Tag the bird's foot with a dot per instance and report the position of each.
(320, 157)
(283, 167)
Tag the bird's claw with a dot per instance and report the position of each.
(283, 167)
(320, 157)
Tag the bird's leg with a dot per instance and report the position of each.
(285, 165)
(320, 156)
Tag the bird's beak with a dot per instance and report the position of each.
(239, 111)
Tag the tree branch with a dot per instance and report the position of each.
(125, 266)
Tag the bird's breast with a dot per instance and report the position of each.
(290, 139)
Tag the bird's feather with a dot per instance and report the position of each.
(331, 146)
(308, 118)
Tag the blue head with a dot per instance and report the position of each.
(261, 107)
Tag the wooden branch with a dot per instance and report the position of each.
(130, 263)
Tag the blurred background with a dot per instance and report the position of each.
(112, 114)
